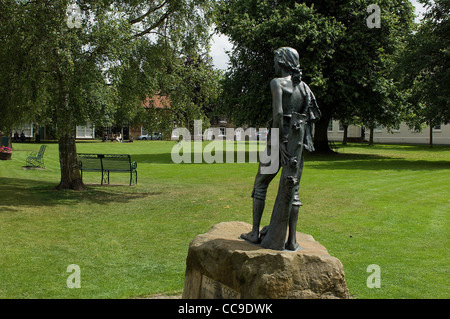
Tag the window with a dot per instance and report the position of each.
(378, 128)
(26, 128)
(341, 127)
(85, 131)
(330, 126)
(222, 131)
(437, 128)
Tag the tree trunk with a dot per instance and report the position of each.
(70, 172)
(66, 125)
(321, 136)
(431, 135)
(371, 136)
(344, 140)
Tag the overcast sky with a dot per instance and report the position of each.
(220, 43)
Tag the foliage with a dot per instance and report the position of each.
(97, 72)
(424, 68)
(256, 29)
(346, 63)
(363, 90)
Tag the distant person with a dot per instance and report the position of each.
(16, 137)
(22, 137)
(119, 138)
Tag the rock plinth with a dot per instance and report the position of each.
(220, 265)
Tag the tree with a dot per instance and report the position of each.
(345, 62)
(256, 29)
(424, 68)
(17, 79)
(362, 65)
(71, 67)
(192, 85)
(187, 91)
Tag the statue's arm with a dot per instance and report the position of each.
(313, 112)
(277, 105)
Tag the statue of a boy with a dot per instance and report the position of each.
(294, 111)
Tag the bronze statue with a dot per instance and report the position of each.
(294, 111)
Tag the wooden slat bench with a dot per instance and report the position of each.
(106, 163)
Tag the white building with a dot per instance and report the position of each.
(402, 135)
(29, 130)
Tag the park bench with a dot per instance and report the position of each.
(333, 146)
(106, 163)
(36, 159)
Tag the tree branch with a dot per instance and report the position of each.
(149, 12)
(154, 25)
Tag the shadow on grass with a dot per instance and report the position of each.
(342, 157)
(402, 147)
(166, 158)
(372, 162)
(329, 161)
(17, 192)
(163, 158)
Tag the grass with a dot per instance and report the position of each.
(386, 205)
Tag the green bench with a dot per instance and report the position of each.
(36, 159)
(106, 163)
(333, 146)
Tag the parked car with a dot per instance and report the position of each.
(154, 136)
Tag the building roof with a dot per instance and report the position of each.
(157, 101)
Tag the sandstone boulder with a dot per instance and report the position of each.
(221, 265)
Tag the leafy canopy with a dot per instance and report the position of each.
(99, 72)
(346, 63)
(424, 67)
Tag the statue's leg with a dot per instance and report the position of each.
(262, 181)
(258, 209)
(284, 215)
(291, 243)
(275, 236)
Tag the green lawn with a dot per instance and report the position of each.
(386, 205)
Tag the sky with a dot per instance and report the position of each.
(220, 43)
